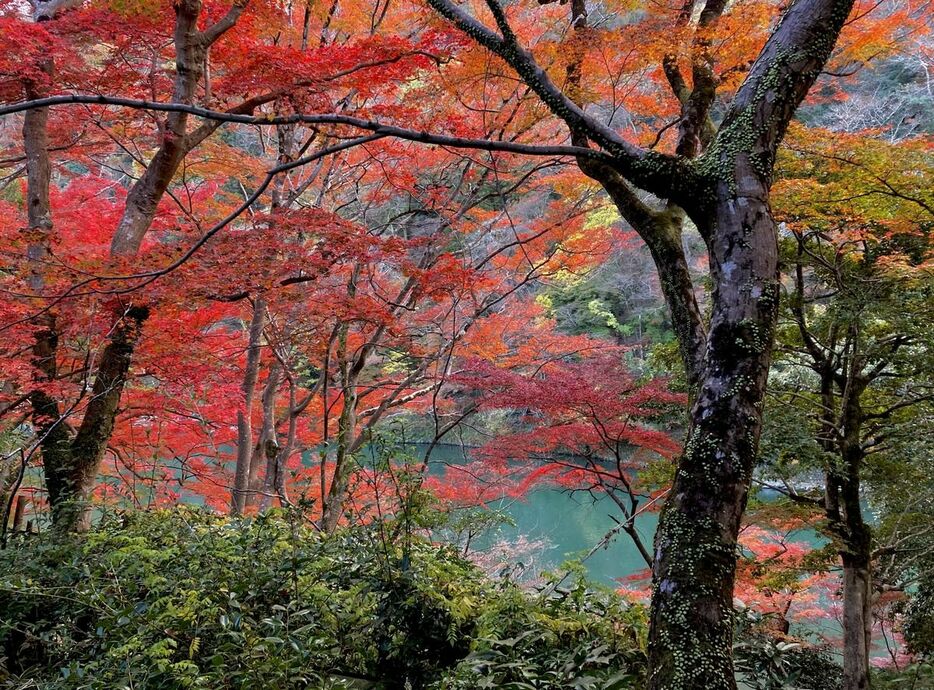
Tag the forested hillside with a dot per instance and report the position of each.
(343, 340)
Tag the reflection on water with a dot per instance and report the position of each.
(569, 524)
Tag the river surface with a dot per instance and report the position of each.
(569, 525)
(566, 525)
(563, 525)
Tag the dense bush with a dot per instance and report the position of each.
(185, 599)
(919, 619)
(579, 639)
(765, 661)
(916, 676)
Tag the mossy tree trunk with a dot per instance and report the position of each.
(724, 190)
(691, 628)
(691, 624)
(719, 178)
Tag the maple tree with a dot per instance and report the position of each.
(132, 44)
(325, 256)
(676, 113)
(587, 424)
(778, 577)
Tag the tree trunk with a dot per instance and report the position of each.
(691, 634)
(19, 515)
(267, 444)
(275, 469)
(691, 622)
(856, 554)
(53, 433)
(347, 423)
(840, 436)
(241, 487)
(662, 232)
(144, 196)
(191, 51)
(857, 620)
(71, 468)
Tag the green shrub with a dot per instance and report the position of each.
(919, 618)
(579, 639)
(916, 676)
(186, 599)
(765, 661)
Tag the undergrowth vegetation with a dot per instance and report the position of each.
(186, 599)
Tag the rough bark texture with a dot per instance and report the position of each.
(725, 192)
(53, 434)
(691, 628)
(70, 484)
(38, 178)
(71, 460)
(39, 217)
(46, 410)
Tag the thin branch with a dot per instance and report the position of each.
(374, 126)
